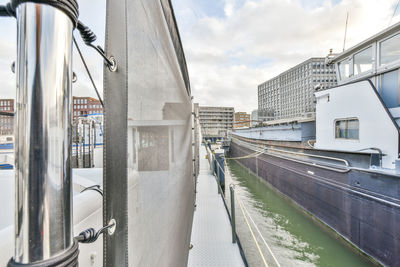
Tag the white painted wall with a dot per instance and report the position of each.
(355, 100)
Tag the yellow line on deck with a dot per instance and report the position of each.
(251, 231)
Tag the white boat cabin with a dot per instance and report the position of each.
(363, 112)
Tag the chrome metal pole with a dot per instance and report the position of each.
(43, 218)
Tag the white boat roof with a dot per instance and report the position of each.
(379, 36)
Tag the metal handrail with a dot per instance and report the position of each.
(210, 155)
(305, 154)
(312, 156)
(346, 168)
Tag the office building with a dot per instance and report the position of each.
(215, 122)
(291, 94)
(254, 118)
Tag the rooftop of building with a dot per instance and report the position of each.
(318, 59)
(219, 109)
(86, 97)
(290, 120)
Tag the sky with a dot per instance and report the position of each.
(231, 46)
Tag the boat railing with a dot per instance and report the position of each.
(246, 215)
(231, 215)
(343, 166)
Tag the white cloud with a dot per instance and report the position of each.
(229, 56)
(90, 14)
(229, 7)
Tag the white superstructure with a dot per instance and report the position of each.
(363, 112)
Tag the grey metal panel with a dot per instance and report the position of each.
(176, 39)
(115, 136)
(149, 185)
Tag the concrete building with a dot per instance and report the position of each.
(254, 118)
(7, 121)
(215, 122)
(291, 94)
(85, 106)
(242, 119)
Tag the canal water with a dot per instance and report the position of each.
(294, 237)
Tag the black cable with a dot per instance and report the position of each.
(88, 72)
(69, 7)
(88, 38)
(90, 235)
(94, 188)
(7, 11)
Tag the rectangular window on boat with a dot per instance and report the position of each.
(347, 129)
(363, 61)
(344, 69)
(390, 50)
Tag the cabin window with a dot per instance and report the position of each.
(344, 69)
(347, 129)
(363, 61)
(390, 50)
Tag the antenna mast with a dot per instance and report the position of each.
(345, 31)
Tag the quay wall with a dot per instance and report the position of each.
(368, 219)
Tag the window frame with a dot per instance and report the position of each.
(372, 61)
(346, 119)
(379, 47)
(350, 62)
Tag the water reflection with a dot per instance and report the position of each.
(295, 238)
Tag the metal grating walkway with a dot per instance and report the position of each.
(211, 232)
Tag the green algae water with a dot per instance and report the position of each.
(294, 237)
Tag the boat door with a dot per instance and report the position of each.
(389, 88)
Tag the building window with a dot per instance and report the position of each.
(344, 69)
(389, 50)
(363, 61)
(347, 129)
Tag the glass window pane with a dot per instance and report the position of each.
(344, 69)
(363, 61)
(390, 50)
(347, 129)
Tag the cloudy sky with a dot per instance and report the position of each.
(232, 46)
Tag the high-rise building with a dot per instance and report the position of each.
(7, 120)
(85, 106)
(215, 122)
(242, 119)
(254, 118)
(291, 94)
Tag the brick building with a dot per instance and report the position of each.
(242, 119)
(7, 121)
(85, 106)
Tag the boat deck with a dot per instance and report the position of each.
(211, 232)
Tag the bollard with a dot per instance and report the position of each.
(231, 187)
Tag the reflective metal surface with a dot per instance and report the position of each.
(43, 219)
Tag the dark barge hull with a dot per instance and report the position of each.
(363, 207)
